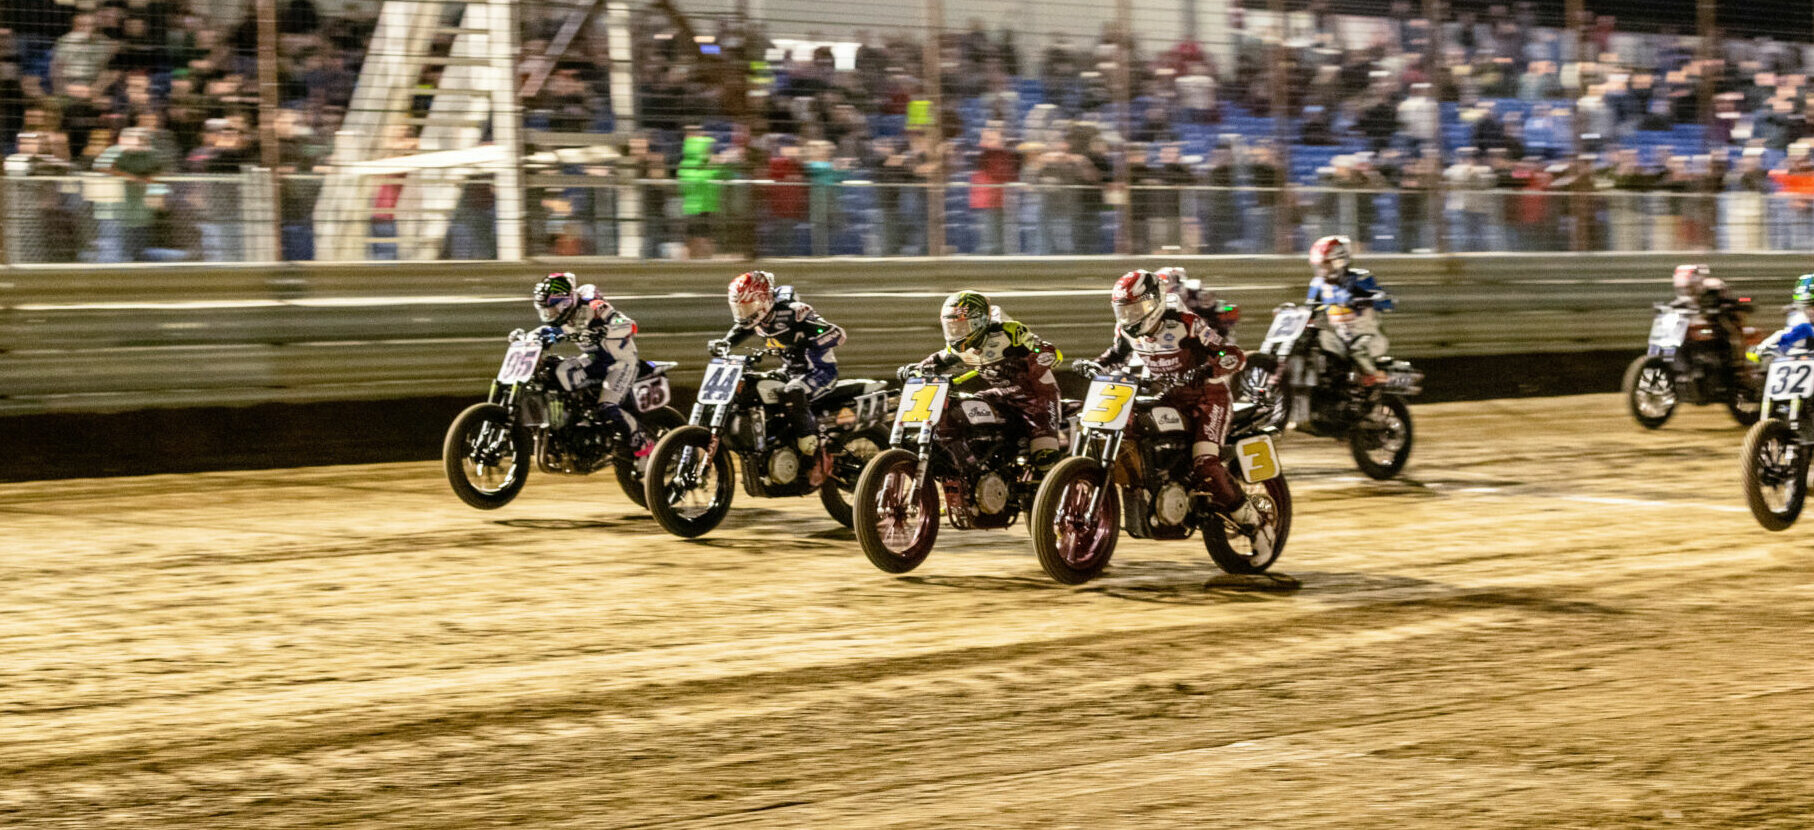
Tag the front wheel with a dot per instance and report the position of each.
(687, 493)
(852, 454)
(1381, 442)
(486, 456)
(630, 469)
(1266, 387)
(1073, 543)
(896, 518)
(1775, 474)
(1238, 553)
(1650, 391)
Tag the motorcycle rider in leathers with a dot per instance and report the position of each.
(1014, 361)
(1351, 299)
(1797, 331)
(809, 366)
(1699, 292)
(606, 338)
(1192, 365)
(1193, 296)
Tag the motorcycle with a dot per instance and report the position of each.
(1128, 438)
(1687, 360)
(1294, 383)
(529, 415)
(983, 471)
(689, 487)
(1775, 459)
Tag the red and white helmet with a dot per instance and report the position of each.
(1329, 256)
(1139, 302)
(1172, 277)
(752, 297)
(1688, 279)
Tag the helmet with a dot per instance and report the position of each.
(1688, 279)
(555, 297)
(1171, 277)
(1139, 302)
(1329, 256)
(1804, 291)
(964, 319)
(752, 296)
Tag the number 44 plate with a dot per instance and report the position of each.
(1258, 458)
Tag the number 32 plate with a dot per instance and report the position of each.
(1790, 379)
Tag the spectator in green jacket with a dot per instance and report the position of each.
(701, 191)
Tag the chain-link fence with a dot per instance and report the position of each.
(421, 129)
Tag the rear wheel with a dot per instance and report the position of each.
(1746, 403)
(1237, 553)
(896, 520)
(1381, 442)
(486, 456)
(1650, 390)
(630, 469)
(1074, 544)
(852, 454)
(687, 494)
(1775, 474)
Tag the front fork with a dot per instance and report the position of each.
(693, 462)
(1111, 451)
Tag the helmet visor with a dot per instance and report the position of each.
(747, 310)
(958, 327)
(552, 308)
(1131, 314)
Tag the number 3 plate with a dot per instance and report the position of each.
(1259, 461)
(1106, 407)
(1790, 379)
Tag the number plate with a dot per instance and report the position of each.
(1668, 330)
(1108, 405)
(520, 362)
(1259, 460)
(922, 402)
(651, 393)
(720, 383)
(1790, 379)
(1287, 325)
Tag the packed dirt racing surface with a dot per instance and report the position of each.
(1556, 620)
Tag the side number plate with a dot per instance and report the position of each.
(1259, 460)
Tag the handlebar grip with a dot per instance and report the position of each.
(965, 376)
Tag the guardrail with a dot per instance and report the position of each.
(75, 339)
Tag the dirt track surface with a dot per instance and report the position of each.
(1558, 620)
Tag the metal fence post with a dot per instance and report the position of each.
(270, 151)
(1438, 189)
(1124, 59)
(1578, 207)
(1285, 214)
(1709, 54)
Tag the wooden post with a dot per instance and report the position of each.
(1284, 219)
(1437, 191)
(1124, 79)
(1709, 54)
(933, 57)
(270, 152)
(1578, 207)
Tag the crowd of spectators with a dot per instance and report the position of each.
(1533, 142)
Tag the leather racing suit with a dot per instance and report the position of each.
(606, 339)
(1351, 301)
(1017, 364)
(809, 364)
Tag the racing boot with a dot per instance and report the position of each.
(1215, 483)
(817, 455)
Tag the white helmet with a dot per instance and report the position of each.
(1329, 256)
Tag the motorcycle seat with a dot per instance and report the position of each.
(650, 367)
(848, 390)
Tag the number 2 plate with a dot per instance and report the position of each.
(1790, 379)
(519, 362)
(1286, 326)
(1259, 460)
(1107, 407)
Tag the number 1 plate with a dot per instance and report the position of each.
(922, 402)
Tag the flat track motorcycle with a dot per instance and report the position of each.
(529, 415)
(1686, 362)
(1130, 468)
(1775, 459)
(1296, 384)
(739, 413)
(981, 469)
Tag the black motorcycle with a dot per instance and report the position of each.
(1775, 459)
(1689, 360)
(528, 414)
(740, 413)
(982, 470)
(1132, 440)
(1294, 383)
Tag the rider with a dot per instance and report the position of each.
(1350, 299)
(1192, 363)
(1697, 291)
(1192, 296)
(606, 338)
(1798, 331)
(1014, 361)
(808, 364)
